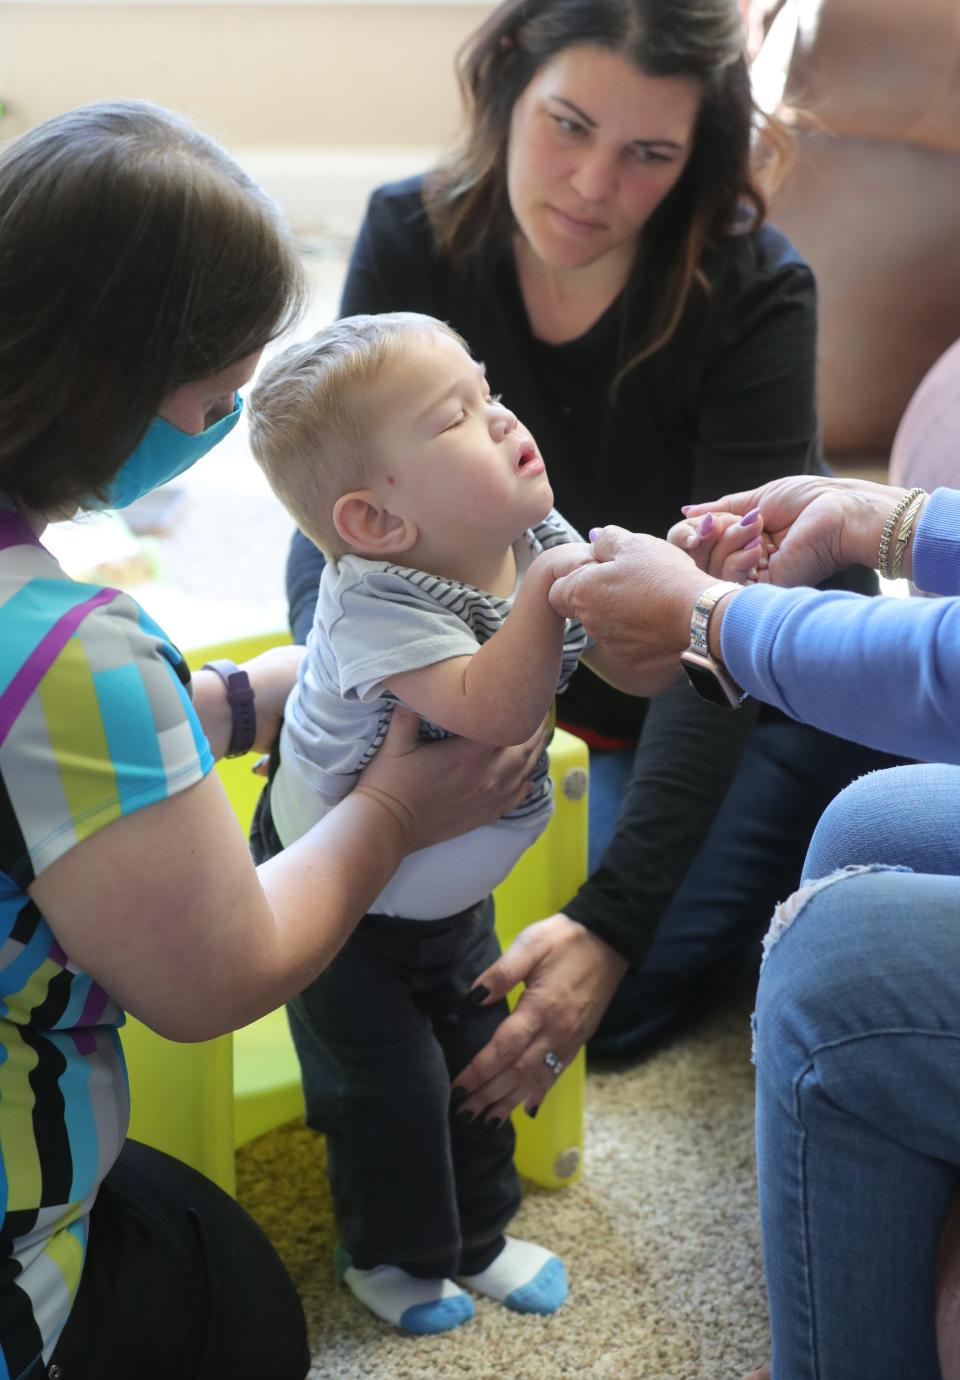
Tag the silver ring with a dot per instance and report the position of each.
(553, 1062)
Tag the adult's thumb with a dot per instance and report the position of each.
(607, 542)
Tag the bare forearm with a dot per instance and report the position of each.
(164, 908)
(272, 675)
(509, 683)
(188, 936)
(213, 711)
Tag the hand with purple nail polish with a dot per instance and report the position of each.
(724, 545)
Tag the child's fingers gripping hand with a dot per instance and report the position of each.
(567, 557)
(725, 545)
(698, 536)
(741, 552)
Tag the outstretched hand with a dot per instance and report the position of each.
(570, 977)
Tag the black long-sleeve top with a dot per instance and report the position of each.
(728, 404)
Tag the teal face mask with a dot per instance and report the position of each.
(164, 452)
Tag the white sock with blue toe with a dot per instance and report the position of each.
(415, 1305)
(526, 1277)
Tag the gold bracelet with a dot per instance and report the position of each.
(883, 559)
(903, 536)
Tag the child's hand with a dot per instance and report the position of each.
(725, 545)
(570, 556)
(558, 561)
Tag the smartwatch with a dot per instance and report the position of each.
(708, 676)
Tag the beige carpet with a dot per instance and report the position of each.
(660, 1237)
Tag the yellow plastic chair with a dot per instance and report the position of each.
(201, 1101)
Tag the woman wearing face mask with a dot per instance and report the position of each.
(600, 239)
(141, 274)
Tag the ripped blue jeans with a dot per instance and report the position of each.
(857, 1045)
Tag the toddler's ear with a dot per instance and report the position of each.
(369, 528)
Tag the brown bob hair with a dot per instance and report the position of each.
(718, 193)
(135, 256)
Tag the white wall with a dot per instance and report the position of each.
(318, 100)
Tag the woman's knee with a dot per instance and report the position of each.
(865, 947)
(166, 1242)
(894, 817)
(819, 939)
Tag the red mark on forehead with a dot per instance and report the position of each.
(390, 479)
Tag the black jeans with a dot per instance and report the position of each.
(380, 1035)
(178, 1282)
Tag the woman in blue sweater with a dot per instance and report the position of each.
(858, 1010)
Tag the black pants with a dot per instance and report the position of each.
(179, 1283)
(380, 1036)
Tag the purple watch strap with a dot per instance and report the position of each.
(240, 697)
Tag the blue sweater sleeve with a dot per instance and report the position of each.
(884, 672)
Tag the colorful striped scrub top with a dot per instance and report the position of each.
(95, 722)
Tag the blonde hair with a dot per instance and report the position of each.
(311, 418)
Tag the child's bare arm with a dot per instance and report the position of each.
(502, 692)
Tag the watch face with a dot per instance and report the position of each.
(710, 680)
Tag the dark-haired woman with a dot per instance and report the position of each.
(600, 239)
(141, 274)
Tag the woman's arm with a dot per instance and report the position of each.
(884, 672)
(932, 558)
(166, 910)
(754, 401)
(685, 758)
(272, 676)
